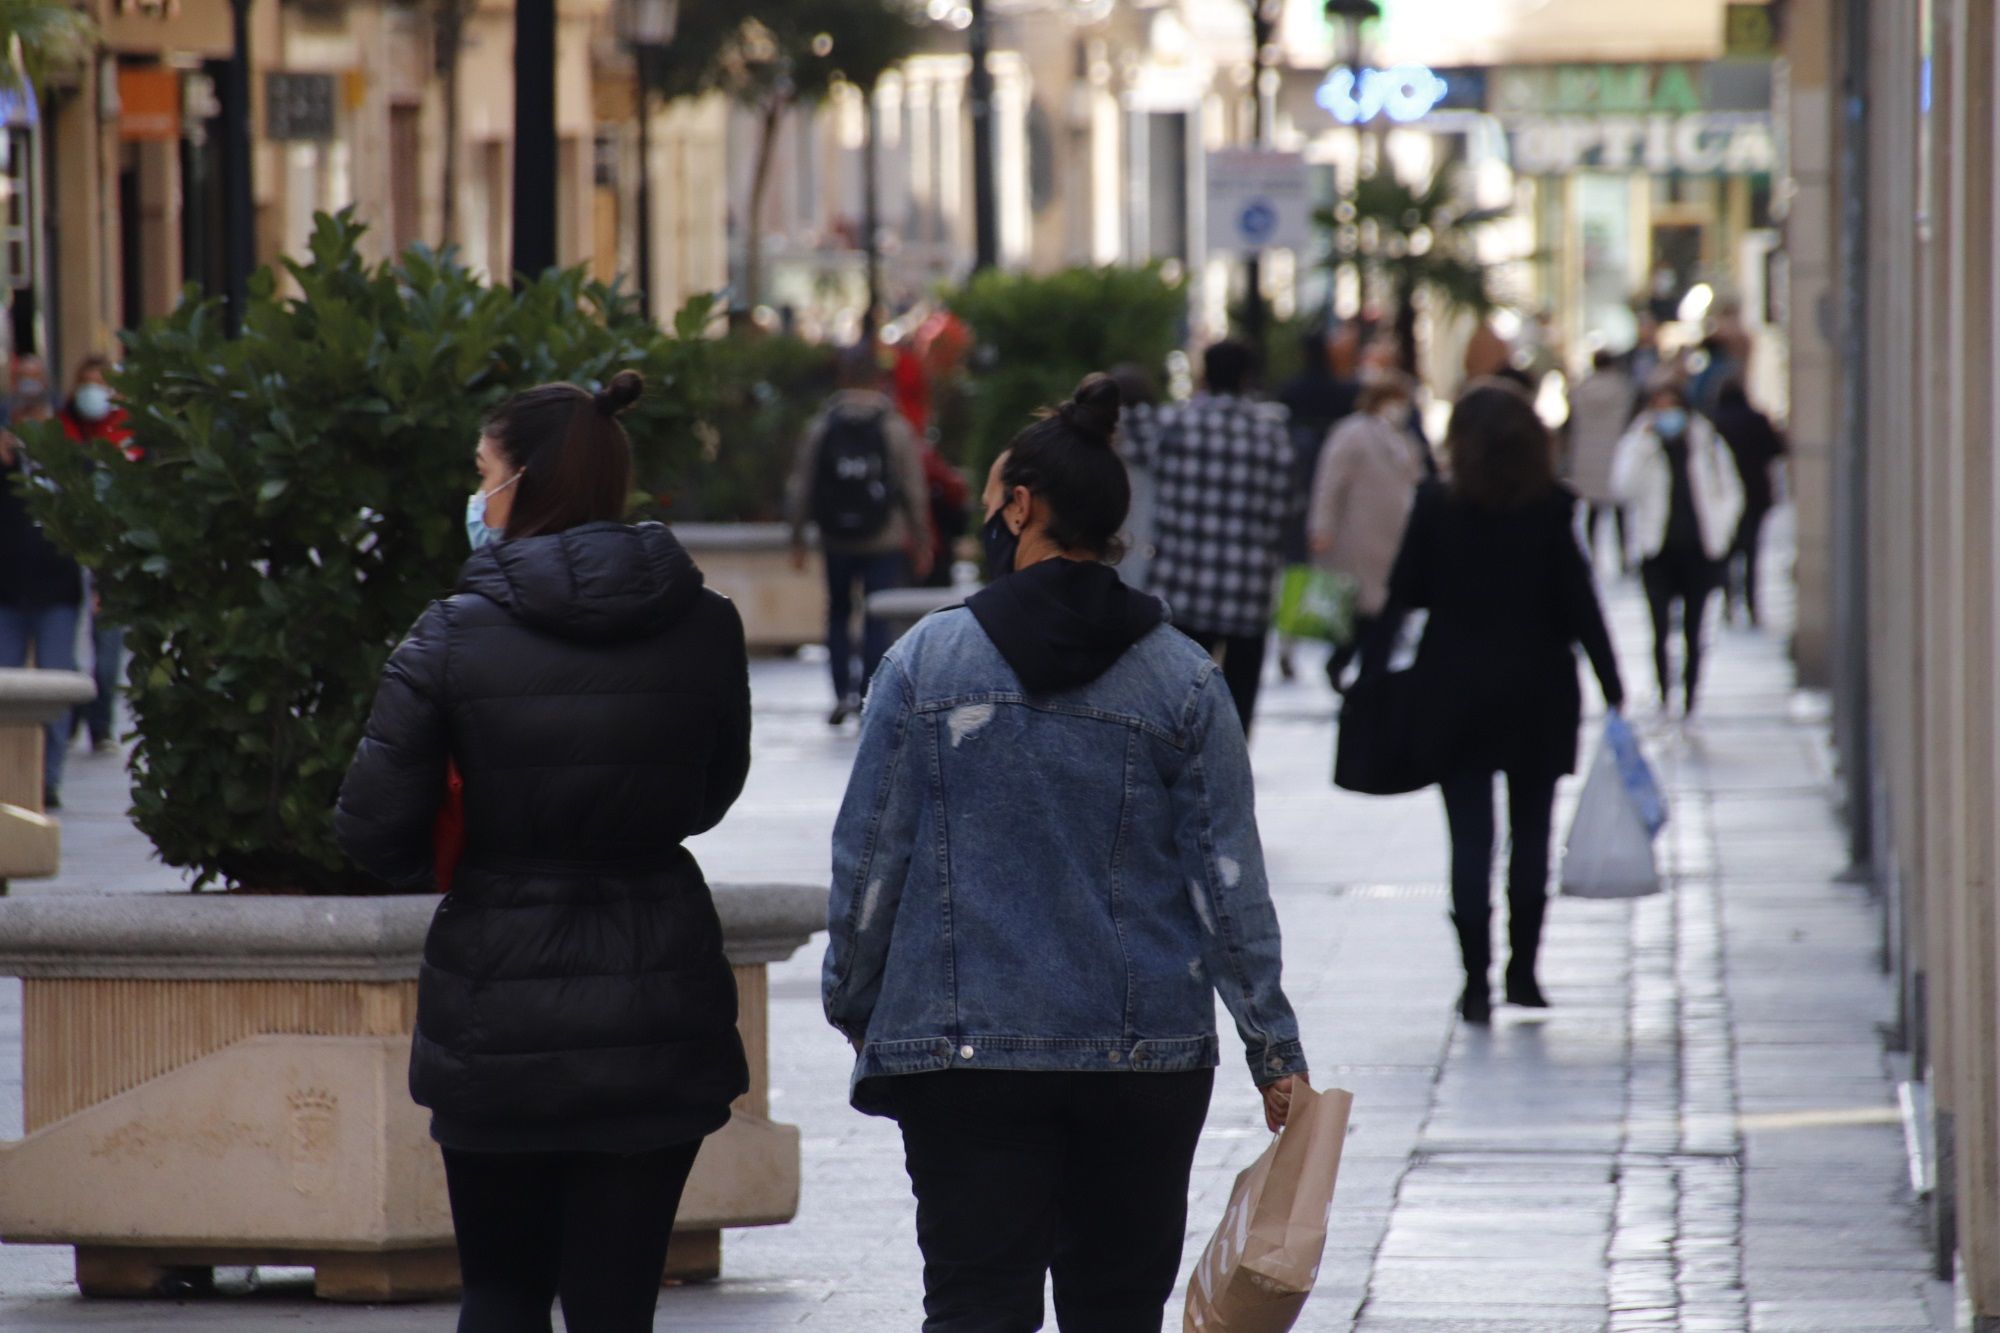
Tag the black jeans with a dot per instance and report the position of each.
(875, 573)
(1468, 809)
(1022, 1174)
(590, 1227)
(1741, 581)
(1686, 576)
(1242, 667)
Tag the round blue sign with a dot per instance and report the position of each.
(1258, 220)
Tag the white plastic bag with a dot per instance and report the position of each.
(1609, 852)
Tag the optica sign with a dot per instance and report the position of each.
(1403, 93)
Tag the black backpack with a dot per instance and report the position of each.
(853, 496)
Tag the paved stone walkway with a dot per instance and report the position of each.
(1700, 1136)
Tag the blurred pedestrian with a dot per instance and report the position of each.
(1756, 446)
(1601, 408)
(1139, 392)
(576, 1018)
(1360, 500)
(1046, 1037)
(41, 588)
(859, 478)
(950, 500)
(1492, 555)
(1316, 398)
(94, 415)
(1685, 498)
(1222, 470)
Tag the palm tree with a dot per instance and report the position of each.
(1414, 242)
(40, 37)
(449, 19)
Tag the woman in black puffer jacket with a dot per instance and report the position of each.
(576, 1019)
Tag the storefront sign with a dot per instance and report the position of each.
(1702, 145)
(1593, 90)
(299, 106)
(1404, 94)
(1258, 201)
(149, 104)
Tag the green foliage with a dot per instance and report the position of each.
(767, 388)
(1037, 336)
(54, 36)
(787, 50)
(300, 500)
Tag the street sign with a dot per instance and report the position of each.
(1258, 201)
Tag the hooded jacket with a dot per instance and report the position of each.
(1048, 858)
(596, 699)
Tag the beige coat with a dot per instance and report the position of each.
(1600, 410)
(909, 526)
(1367, 478)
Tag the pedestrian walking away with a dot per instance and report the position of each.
(859, 478)
(1317, 400)
(576, 1018)
(1685, 498)
(1222, 467)
(41, 587)
(1033, 997)
(1492, 556)
(94, 416)
(1601, 408)
(1756, 446)
(1360, 500)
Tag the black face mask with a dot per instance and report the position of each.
(1002, 545)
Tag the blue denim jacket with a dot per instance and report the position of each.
(1053, 882)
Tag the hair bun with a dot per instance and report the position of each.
(621, 393)
(1093, 409)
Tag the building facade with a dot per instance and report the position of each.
(1894, 133)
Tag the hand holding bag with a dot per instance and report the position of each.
(1391, 723)
(1257, 1272)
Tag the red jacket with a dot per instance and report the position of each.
(115, 429)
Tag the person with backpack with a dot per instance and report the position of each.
(859, 478)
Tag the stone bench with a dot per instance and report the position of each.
(219, 1079)
(30, 840)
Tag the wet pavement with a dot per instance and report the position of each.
(1701, 1135)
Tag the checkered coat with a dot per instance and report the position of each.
(1222, 469)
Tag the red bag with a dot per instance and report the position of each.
(448, 834)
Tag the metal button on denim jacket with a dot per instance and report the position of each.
(1059, 881)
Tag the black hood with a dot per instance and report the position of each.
(598, 582)
(1063, 623)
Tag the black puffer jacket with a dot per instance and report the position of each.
(574, 994)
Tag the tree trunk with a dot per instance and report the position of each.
(753, 223)
(871, 220)
(1406, 326)
(450, 43)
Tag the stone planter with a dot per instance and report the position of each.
(31, 841)
(751, 564)
(217, 1079)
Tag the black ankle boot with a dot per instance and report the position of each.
(1524, 990)
(1475, 1005)
(1525, 912)
(1475, 949)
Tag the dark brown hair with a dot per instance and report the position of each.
(575, 461)
(1384, 387)
(1501, 455)
(1066, 457)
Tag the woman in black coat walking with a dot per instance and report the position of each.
(576, 1019)
(1492, 555)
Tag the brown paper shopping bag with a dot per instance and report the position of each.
(1259, 1268)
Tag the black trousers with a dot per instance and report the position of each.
(1686, 576)
(591, 1228)
(1242, 667)
(1468, 809)
(1021, 1175)
(1741, 581)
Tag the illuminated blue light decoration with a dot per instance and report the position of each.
(1404, 93)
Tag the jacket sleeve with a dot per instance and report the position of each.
(729, 766)
(1329, 488)
(1628, 463)
(798, 487)
(389, 800)
(1222, 859)
(873, 837)
(1139, 433)
(1585, 614)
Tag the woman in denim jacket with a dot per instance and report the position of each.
(1046, 866)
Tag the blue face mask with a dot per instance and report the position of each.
(476, 530)
(1671, 423)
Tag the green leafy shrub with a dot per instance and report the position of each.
(1037, 336)
(300, 500)
(766, 389)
